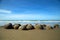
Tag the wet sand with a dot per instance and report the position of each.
(12, 34)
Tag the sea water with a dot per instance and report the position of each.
(30, 22)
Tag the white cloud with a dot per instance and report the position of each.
(21, 16)
(5, 11)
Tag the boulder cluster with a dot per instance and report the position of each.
(30, 26)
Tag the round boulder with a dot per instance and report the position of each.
(38, 26)
(8, 26)
(23, 27)
(16, 26)
(29, 27)
(48, 27)
(56, 26)
(44, 26)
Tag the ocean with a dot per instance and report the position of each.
(30, 22)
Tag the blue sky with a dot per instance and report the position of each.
(29, 9)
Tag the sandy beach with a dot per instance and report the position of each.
(12, 34)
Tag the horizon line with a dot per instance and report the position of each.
(29, 20)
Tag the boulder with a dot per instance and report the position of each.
(29, 27)
(16, 26)
(8, 26)
(48, 27)
(38, 26)
(56, 26)
(23, 27)
(44, 25)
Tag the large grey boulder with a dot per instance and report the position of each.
(8, 26)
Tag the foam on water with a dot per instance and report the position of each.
(30, 22)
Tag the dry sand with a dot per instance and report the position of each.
(11, 34)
